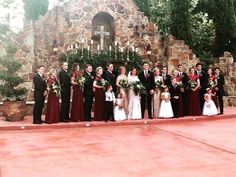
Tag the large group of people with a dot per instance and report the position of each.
(126, 96)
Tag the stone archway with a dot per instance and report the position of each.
(107, 21)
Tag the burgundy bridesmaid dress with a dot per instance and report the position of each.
(77, 107)
(53, 106)
(99, 105)
(194, 100)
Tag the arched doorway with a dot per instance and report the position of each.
(103, 23)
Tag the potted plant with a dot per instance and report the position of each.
(13, 95)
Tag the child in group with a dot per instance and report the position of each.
(119, 111)
(165, 107)
(109, 104)
(209, 107)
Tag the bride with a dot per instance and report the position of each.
(134, 107)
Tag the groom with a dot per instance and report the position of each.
(146, 77)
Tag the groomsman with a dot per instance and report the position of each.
(65, 83)
(166, 78)
(146, 77)
(220, 88)
(110, 76)
(40, 92)
(203, 82)
(88, 92)
(184, 93)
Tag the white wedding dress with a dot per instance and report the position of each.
(134, 108)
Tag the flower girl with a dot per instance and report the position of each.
(209, 107)
(165, 108)
(119, 111)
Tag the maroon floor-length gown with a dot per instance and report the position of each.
(53, 105)
(194, 100)
(99, 105)
(77, 107)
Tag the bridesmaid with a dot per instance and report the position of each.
(193, 93)
(99, 105)
(157, 93)
(122, 88)
(53, 107)
(211, 82)
(77, 107)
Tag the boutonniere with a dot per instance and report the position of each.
(92, 77)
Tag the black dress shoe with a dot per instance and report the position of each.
(65, 120)
(37, 122)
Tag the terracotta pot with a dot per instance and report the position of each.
(14, 111)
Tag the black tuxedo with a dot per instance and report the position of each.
(166, 80)
(175, 91)
(220, 93)
(184, 78)
(65, 83)
(88, 95)
(40, 86)
(148, 83)
(111, 78)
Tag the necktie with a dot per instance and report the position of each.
(146, 74)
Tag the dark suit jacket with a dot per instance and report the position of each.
(220, 85)
(65, 80)
(167, 80)
(203, 80)
(40, 85)
(147, 82)
(88, 85)
(111, 78)
(184, 79)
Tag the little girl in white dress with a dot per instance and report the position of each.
(209, 107)
(165, 108)
(119, 111)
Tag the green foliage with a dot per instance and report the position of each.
(4, 28)
(10, 82)
(35, 8)
(225, 23)
(144, 6)
(203, 35)
(180, 20)
(102, 58)
(160, 13)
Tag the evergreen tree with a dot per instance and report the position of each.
(225, 23)
(144, 6)
(35, 8)
(180, 20)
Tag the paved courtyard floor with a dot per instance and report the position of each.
(204, 148)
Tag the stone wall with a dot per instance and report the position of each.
(179, 53)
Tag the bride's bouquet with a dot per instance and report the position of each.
(138, 88)
(124, 83)
(80, 82)
(55, 88)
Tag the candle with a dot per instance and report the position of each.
(133, 48)
(136, 50)
(91, 42)
(110, 48)
(122, 49)
(71, 46)
(82, 40)
(98, 47)
(88, 48)
(115, 43)
(128, 43)
(76, 45)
